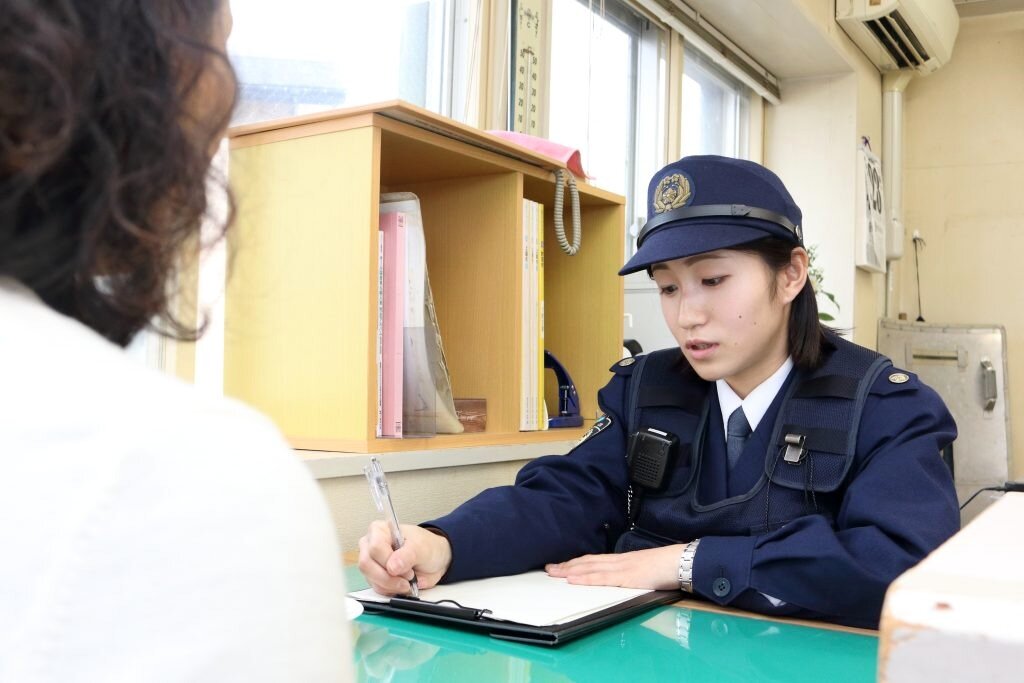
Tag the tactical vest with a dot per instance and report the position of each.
(810, 451)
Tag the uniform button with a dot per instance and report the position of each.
(721, 587)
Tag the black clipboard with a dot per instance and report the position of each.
(451, 614)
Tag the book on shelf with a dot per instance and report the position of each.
(525, 322)
(380, 334)
(532, 410)
(542, 413)
(393, 231)
(426, 400)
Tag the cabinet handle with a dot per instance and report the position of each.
(956, 355)
(988, 384)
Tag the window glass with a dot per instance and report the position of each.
(715, 109)
(592, 87)
(303, 56)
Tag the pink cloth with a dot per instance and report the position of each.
(570, 157)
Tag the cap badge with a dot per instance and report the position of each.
(899, 378)
(673, 192)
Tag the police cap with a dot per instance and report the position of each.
(702, 203)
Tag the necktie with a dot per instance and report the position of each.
(736, 433)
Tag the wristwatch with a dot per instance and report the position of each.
(686, 565)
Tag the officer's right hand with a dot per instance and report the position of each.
(388, 571)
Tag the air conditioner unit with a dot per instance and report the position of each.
(901, 34)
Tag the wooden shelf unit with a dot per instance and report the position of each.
(301, 303)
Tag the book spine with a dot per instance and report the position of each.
(380, 334)
(532, 367)
(542, 422)
(524, 324)
(394, 227)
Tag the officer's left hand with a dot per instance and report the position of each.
(656, 568)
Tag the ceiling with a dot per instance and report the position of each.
(974, 8)
(778, 35)
(787, 42)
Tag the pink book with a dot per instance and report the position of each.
(392, 227)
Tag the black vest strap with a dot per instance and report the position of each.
(669, 395)
(821, 420)
(832, 386)
(817, 438)
(656, 381)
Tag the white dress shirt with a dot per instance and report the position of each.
(150, 533)
(757, 402)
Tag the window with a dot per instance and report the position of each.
(713, 119)
(592, 87)
(305, 56)
(715, 111)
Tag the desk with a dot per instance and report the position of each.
(688, 641)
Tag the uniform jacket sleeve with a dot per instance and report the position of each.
(560, 507)
(899, 504)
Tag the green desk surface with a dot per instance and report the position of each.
(667, 644)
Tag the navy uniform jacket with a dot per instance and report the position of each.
(896, 504)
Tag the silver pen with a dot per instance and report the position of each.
(382, 498)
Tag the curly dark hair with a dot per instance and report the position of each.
(104, 154)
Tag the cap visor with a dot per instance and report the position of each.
(680, 241)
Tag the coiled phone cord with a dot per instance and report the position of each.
(561, 178)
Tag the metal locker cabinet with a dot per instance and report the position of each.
(966, 365)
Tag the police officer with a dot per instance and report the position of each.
(766, 463)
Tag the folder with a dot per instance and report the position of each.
(426, 397)
(532, 608)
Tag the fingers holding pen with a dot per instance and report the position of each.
(389, 571)
(375, 555)
(428, 553)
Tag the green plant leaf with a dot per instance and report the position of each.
(825, 317)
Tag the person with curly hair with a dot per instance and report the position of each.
(148, 532)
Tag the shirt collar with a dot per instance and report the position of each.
(757, 402)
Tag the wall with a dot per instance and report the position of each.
(808, 142)
(964, 171)
(811, 142)
(419, 495)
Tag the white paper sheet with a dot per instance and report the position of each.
(533, 598)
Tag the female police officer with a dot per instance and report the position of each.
(766, 463)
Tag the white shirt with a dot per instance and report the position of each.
(757, 402)
(149, 533)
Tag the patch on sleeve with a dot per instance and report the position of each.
(603, 423)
